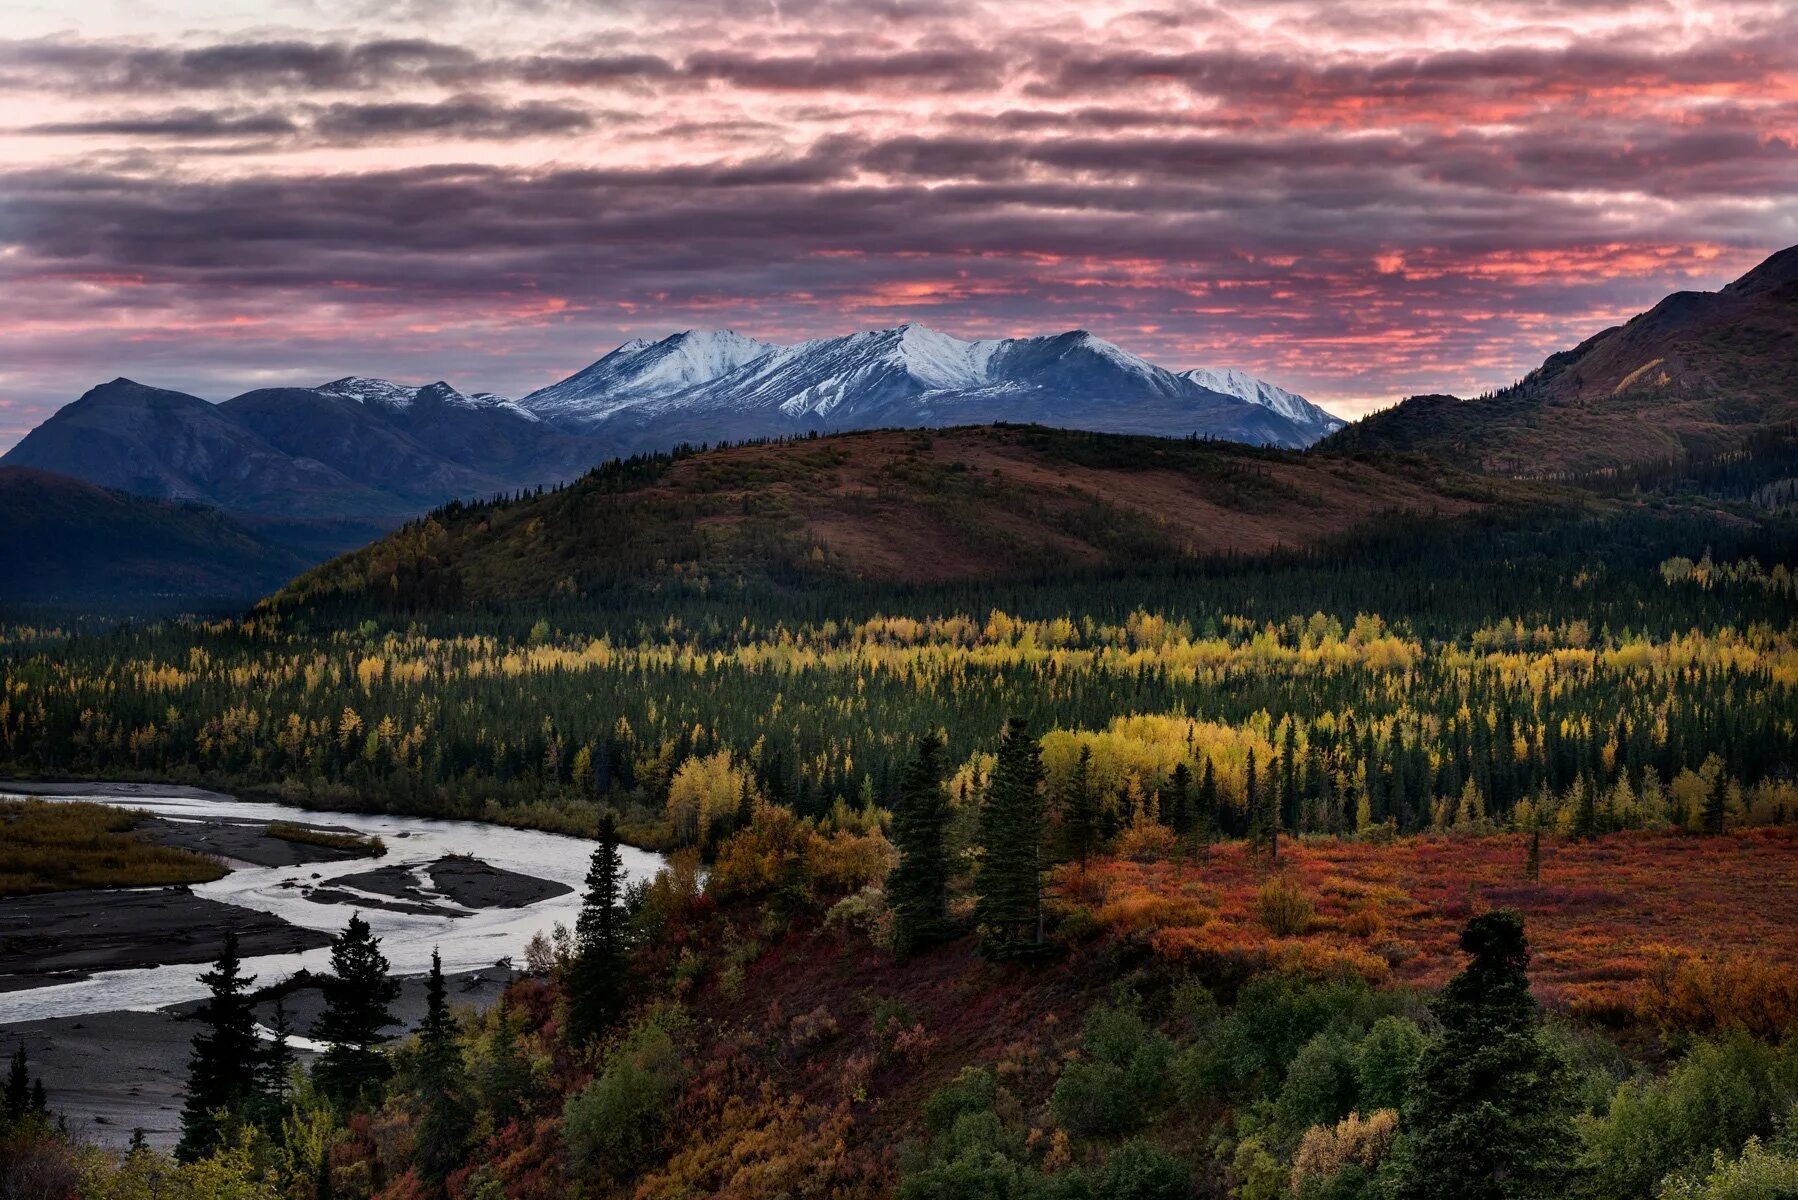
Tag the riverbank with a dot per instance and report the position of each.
(112, 1072)
(98, 977)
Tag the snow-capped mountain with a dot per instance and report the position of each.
(1291, 405)
(719, 385)
(397, 397)
(641, 370)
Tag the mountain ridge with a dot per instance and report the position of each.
(648, 395)
(1696, 373)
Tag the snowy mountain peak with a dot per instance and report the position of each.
(378, 393)
(1233, 382)
(706, 385)
(398, 398)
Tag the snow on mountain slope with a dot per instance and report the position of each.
(641, 370)
(1242, 385)
(710, 386)
(397, 397)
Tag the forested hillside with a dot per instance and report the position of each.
(889, 507)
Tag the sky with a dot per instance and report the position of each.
(1358, 201)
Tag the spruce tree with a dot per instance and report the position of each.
(918, 885)
(1716, 804)
(1008, 884)
(1080, 809)
(1205, 818)
(596, 983)
(1178, 808)
(443, 1123)
(274, 1073)
(18, 1085)
(1490, 1111)
(221, 1072)
(358, 993)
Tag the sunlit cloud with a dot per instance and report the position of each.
(1357, 201)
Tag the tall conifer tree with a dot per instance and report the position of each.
(1008, 885)
(597, 985)
(358, 995)
(1490, 1112)
(918, 885)
(444, 1123)
(221, 1072)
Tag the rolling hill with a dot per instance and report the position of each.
(1696, 374)
(920, 506)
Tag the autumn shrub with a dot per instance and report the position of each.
(1355, 1143)
(1146, 840)
(1689, 994)
(846, 861)
(1144, 912)
(766, 857)
(1365, 922)
(1284, 908)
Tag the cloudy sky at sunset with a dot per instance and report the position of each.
(1356, 201)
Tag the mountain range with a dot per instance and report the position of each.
(367, 450)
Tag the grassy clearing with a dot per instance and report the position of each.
(370, 847)
(56, 847)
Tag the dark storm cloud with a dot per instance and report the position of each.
(56, 64)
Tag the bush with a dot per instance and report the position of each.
(973, 1091)
(1385, 1061)
(1246, 1053)
(1720, 1095)
(611, 1126)
(1321, 1084)
(1283, 907)
(1139, 1171)
(1121, 1081)
(1759, 1174)
(1354, 1146)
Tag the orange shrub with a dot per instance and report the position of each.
(1689, 994)
(1142, 912)
(1284, 907)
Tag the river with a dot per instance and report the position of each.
(472, 940)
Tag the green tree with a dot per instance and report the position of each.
(1489, 1114)
(442, 1078)
(221, 1072)
(18, 1085)
(1080, 809)
(358, 993)
(1008, 890)
(918, 885)
(1716, 804)
(598, 975)
(274, 1073)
